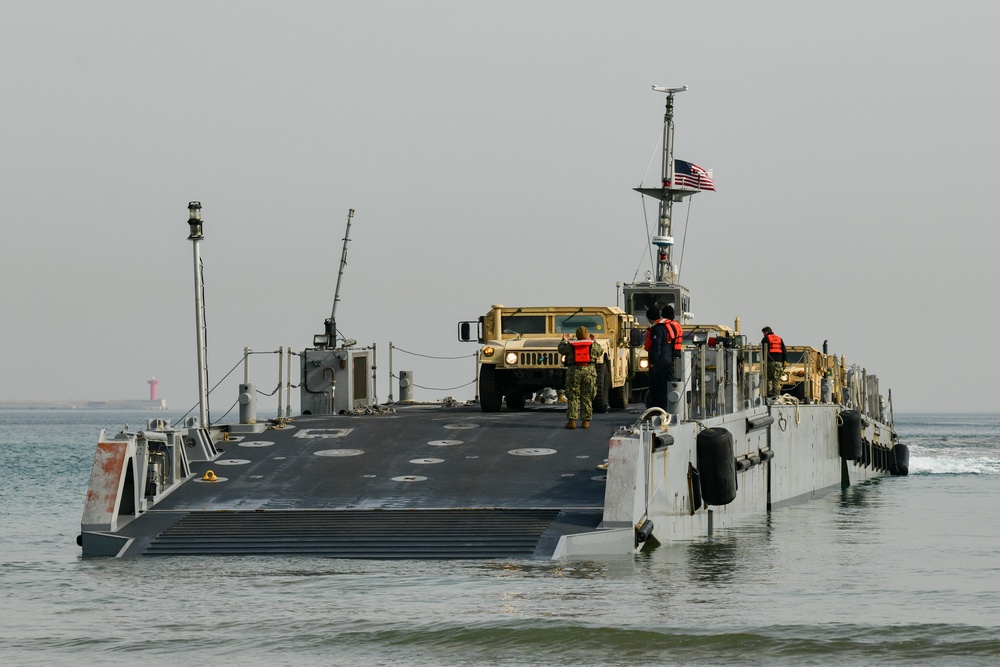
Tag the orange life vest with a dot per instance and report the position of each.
(649, 334)
(773, 343)
(581, 352)
(675, 334)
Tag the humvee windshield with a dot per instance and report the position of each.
(796, 357)
(524, 324)
(594, 323)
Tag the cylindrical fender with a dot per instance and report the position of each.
(901, 460)
(694, 488)
(643, 531)
(717, 466)
(849, 435)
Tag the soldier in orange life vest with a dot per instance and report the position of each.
(777, 356)
(582, 356)
(661, 361)
(675, 337)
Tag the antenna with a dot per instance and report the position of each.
(670, 91)
(331, 324)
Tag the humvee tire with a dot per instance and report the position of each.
(489, 389)
(603, 388)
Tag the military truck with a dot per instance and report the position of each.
(804, 372)
(519, 354)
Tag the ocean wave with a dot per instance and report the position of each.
(938, 465)
(554, 643)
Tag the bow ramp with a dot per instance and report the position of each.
(424, 482)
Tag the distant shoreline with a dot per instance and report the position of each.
(160, 404)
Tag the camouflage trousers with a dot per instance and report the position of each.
(773, 378)
(581, 387)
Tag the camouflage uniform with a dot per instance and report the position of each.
(581, 382)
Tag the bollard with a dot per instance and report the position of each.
(405, 386)
(248, 404)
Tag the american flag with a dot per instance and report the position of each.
(690, 175)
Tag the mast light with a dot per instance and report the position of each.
(194, 221)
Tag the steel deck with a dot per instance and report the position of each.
(425, 482)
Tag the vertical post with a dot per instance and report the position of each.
(196, 235)
(281, 366)
(288, 382)
(374, 376)
(390, 371)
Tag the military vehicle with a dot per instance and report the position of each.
(520, 356)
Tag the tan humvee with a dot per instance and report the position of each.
(519, 353)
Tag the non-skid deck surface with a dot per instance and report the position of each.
(426, 482)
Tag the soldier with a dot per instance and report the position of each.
(582, 356)
(661, 359)
(675, 338)
(777, 356)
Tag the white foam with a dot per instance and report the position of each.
(937, 465)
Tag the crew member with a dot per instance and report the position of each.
(675, 338)
(660, 361)
(653, 315)
(777, 356)
(582, 356)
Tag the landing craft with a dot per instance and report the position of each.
(353, 478)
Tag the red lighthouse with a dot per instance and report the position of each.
(152, 388)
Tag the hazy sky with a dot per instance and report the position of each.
(854, 147)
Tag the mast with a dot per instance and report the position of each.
(667, 193)
(664, 238)
(196, 235)
(331, 324)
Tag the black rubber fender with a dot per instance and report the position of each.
(849, 435)
(717, 466)
(694, 488)
(900, 460)
(643, 532)
(766, 455)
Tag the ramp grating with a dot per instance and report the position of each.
(381, 534)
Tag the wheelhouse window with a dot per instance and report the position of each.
(643, 302)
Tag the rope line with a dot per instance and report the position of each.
(473, 381)
(214, 388)
(428, 356)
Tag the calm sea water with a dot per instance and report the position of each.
(897, 571)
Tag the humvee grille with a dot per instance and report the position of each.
(544, 359)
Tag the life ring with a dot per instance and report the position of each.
(849, 435)
(717, 466)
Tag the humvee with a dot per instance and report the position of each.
(519, 353)
(804, 372)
